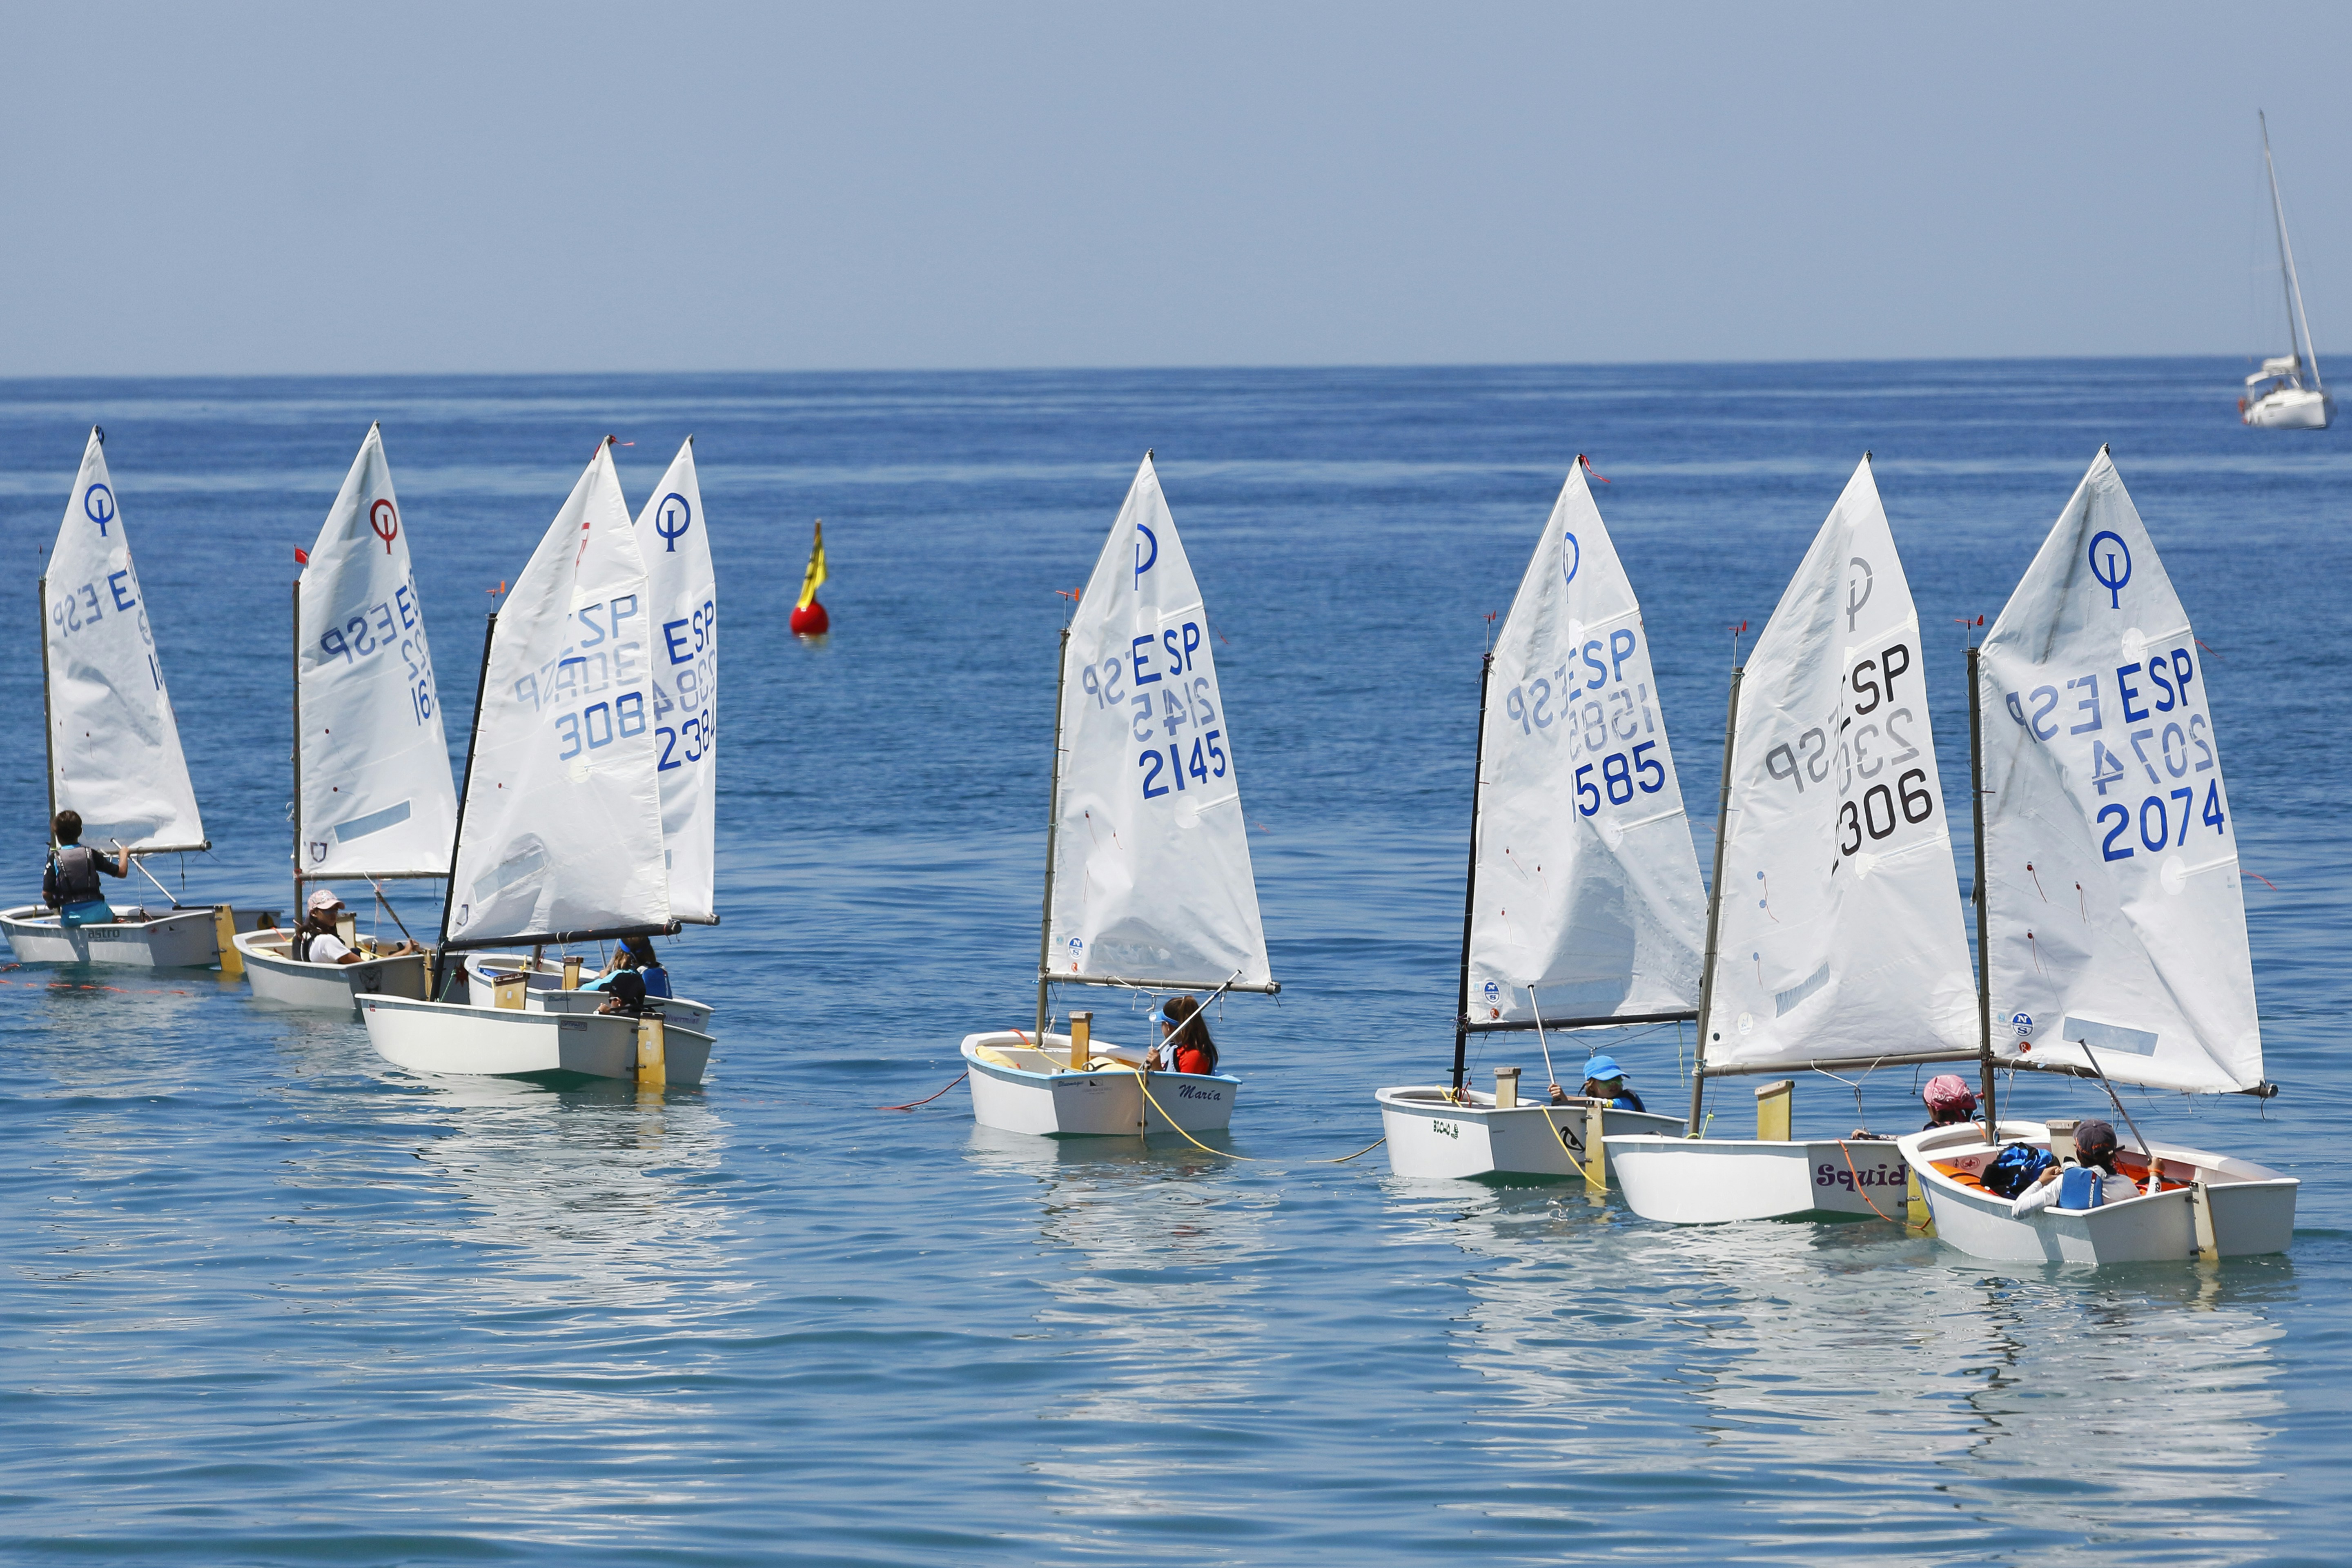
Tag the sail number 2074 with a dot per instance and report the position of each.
(2146, 715)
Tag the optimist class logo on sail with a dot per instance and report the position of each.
(2115, 576)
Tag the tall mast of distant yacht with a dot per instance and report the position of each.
(2294, 313)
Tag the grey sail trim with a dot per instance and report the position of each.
(1271, 988)
(1687, 1016)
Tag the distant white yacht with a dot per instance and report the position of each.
(2286, 392)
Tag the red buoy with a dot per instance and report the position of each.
(810, 620)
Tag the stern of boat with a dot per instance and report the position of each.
(1714, 1181)
(1434, 1134)
(511, 1042)
(2252, 1207)
(1018, 1088)
(178, 939)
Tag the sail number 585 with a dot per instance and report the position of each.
(1621, 774)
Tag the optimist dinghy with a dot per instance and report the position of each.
(559, 829)
(372, 799)
(2112, 929)
(1834, 936)
(1148, 883)
(113, 744)
(1583, 893)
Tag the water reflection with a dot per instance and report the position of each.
(584, 1192)
(104, 1031)
(1166, 1253)
(1876, 1383)
(2137, 1406)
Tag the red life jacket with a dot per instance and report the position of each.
(1191, 1058)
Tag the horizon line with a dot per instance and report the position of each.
(1139, 369)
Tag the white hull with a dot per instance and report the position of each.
(181, 940)
(2291, 408)
(1016, 1087)
(1708, 1181)
(328, 987)
(1430, 1135)
(2252, 1207)
(453, 1038)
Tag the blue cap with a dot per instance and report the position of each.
(1603, 1067)
(1160, 1015)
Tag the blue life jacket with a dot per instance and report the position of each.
(2082, 1188)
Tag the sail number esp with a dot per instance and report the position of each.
(604, 655)
(381, 628)
(2151, 699)
(1171, 710)
(1554, 705)
(1875, 740)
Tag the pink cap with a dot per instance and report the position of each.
(1949, 1091)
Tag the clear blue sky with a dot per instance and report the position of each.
(514, 188)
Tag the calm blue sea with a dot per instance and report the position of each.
(265, 1301)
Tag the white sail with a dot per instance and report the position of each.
(1152, 875)
(682, 596)
(1587, 890)
(1839, 937)
(561, 830)
(114, 744)
(376, 799)
(2110, 854)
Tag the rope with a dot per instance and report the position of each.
(1567, 1152)
(1859, 1188)
(951, 1083)
(1141, 1082)
(928, 1097)
(1146, 1087)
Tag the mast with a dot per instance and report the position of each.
(458, 834)
(297, 749)
(2295, 316)
(1714, 912)
(1984, 954)
(49, 722)
(1470, 881)
(1053, 827)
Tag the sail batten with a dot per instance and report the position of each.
(1841, 939)
(2117, 913)
(114, 742)
(375, 796)
(1587, 893)
(1151, 865)
(562, 822)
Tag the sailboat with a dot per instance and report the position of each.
(1834, 939)
(2286, 394)
(114, 743)
(1583, 907)
(558, 830)
(1148, 883)
(372, 800)
(2111, 925)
